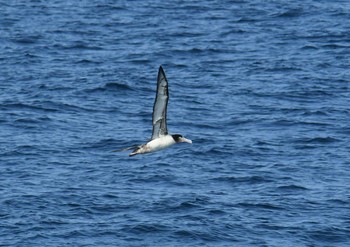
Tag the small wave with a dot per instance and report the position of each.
(340, 202)
(23, 106)
(88, 61)
(291, 13)
(260, 205)
(208, 236)
(247, 20)
(248, 179)
(283, 69)
(331, 235)
(115, 85)
(21, 150)
(315, 113)
(104, 143)
(216, 151)
(309, 47)
(79, 46)
(313, 143)
(140, 61)
(45, 105)
(156, 178)
(185, 205)
(204, 125)
(216, 212)
(32, 120)
(286, 122)
(28, 40)
(109, 7)
(110, 86)
(292, 187)
(146, 228)
(335, 46)
(320, 140)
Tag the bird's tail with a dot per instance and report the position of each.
(136, 150)
(126, 149)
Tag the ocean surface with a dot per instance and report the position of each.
(261, 87)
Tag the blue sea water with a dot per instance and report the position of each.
(261, 87)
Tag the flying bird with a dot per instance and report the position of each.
(160, 137)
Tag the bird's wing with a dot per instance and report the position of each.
(160, 106)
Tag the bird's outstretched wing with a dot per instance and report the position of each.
(160, 106)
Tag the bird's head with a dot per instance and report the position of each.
(179, 138)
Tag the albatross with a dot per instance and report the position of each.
(160, 137)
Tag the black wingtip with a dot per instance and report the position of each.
(161, 72)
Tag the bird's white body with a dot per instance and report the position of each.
(160, 143)
(155, 145)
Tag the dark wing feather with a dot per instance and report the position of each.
(160, 106)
